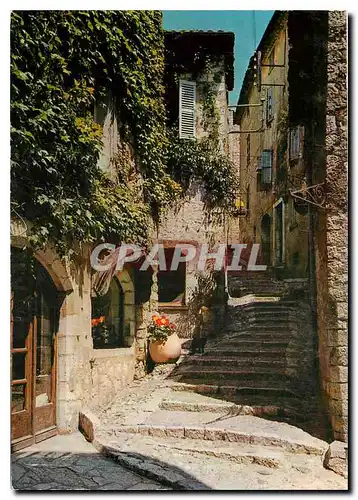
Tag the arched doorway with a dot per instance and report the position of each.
(266, 239)
(35, 305)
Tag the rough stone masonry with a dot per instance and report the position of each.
(332, 242)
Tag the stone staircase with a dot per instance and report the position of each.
(264, 362)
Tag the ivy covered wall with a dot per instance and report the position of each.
(63, 64)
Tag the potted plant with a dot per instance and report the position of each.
(164, 343)
(100, 332)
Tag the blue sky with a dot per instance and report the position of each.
(247, 32)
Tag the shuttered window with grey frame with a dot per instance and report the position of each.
(266, 166)
(269, 105)
(187, 97)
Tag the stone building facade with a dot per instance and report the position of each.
(305, 53)
(189, 222)
(332, 232)
(86, 367)
(269, 168)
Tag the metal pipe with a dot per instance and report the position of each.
(261, 129)
(243, 105)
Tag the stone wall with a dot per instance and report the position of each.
(188, 222)
(332, 235)
(273, 135)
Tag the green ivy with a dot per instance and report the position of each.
(61, 62)
(204, 162)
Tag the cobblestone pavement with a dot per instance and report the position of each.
(71, 463)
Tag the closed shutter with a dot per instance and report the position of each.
(269, 104)
(266, 164)
(296, 142)
(187, 97)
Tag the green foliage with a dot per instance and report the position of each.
(61, 61)
(203, 161)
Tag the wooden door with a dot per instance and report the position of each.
(44, 345)
(34, 323)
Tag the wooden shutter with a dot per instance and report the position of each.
(187, 97)
(267, 155)
(296, 142)
(269, 104)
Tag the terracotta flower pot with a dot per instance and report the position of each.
(163, 352)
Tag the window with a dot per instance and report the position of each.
(269, 105)
(248, 149)
(187, 97)
(296, 142)
(107, 318)
(171, 284)
(266, 166)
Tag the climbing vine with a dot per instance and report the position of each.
(203, 161)
(62, 64)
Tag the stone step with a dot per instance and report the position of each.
(243, 454)
(242, 405)
(254, 349)
(272, 326)
(239, 429)
(192, 401)
(233, 389)
(234, 361)
(246, 356)
(242, 344)
(244, 340)
(271, 319)
(251, 373)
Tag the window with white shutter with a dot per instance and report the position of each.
(187, 97)
(266, 166)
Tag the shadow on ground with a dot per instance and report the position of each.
(63, 471)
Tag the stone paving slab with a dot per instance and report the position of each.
(71, 463)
